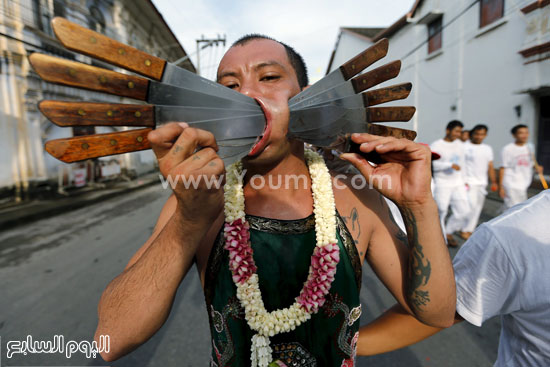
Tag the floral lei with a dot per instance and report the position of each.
(322, 270)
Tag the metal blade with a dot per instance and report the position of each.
(233, 128)
(344, 72)
(192, 113)
(178, 76)
(166, 94)
(353, 86)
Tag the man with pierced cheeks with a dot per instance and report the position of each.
(416, 268)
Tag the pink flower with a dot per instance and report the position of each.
(237, 242)
(323, 264)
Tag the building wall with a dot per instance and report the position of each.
(478, 76)
(23, 129)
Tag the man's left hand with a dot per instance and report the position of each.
(404, 177)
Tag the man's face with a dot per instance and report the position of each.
(454, 134)
(465, 135)
(261, 69)
(522, 135)
(478, 136)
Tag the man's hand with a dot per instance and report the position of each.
(539, 169)
(187, 157)
(456, 167)
(404, 177)
(501, 192)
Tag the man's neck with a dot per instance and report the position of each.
(447, 139)
(519, 143)
(281, 190)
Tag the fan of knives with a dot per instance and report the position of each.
(323, 115)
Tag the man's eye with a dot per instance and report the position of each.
(270, 77)
(231, 86)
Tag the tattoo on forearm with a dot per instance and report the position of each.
(419, 266)
(353, 218)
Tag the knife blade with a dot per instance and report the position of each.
(87, 42)
(352, 87)
(79, 75)
(349, 69)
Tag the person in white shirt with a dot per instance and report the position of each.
(450, 189)
(478, 167)
(516, 173)
(502, 270)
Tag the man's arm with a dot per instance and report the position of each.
(493, 177)
(394, 329)
(418, 271)
(137, 302)
(501, 191)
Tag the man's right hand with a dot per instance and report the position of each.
(456, 167)
(501, 192)
(188, 160)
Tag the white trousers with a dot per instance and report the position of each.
(514, 196)
(457, 198)
(476, 197)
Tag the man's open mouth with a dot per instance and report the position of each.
(261, 141)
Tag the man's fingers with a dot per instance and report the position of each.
(163, 138)
(189, 140)
(359, 162)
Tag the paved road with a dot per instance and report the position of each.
(53, 271)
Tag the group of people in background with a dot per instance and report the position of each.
(462, 174)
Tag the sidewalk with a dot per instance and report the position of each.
(17, 214)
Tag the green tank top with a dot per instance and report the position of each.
(282, 252)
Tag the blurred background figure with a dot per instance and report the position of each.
(478, 158)
(465, 136)
(450, 189)
(516, 173)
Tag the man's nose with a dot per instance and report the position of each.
(249, 89)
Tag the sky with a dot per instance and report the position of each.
(311, 27)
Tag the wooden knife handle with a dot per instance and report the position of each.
(75, 74)
(366, 58)
(90, 43)
(97, 114)
(80, 148)
(380, 130)
(376, 76)
(389, 114)
(388, 94)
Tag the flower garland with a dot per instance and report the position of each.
(322, 270)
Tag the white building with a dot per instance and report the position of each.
(485, 61)
(25, 28)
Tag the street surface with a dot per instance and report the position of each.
(52, 273)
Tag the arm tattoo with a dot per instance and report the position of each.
(354, 219)
(419, 266)
(196, 157)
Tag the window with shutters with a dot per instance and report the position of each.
(490, 11)
(435, 35)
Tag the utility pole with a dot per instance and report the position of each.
(206, 43)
